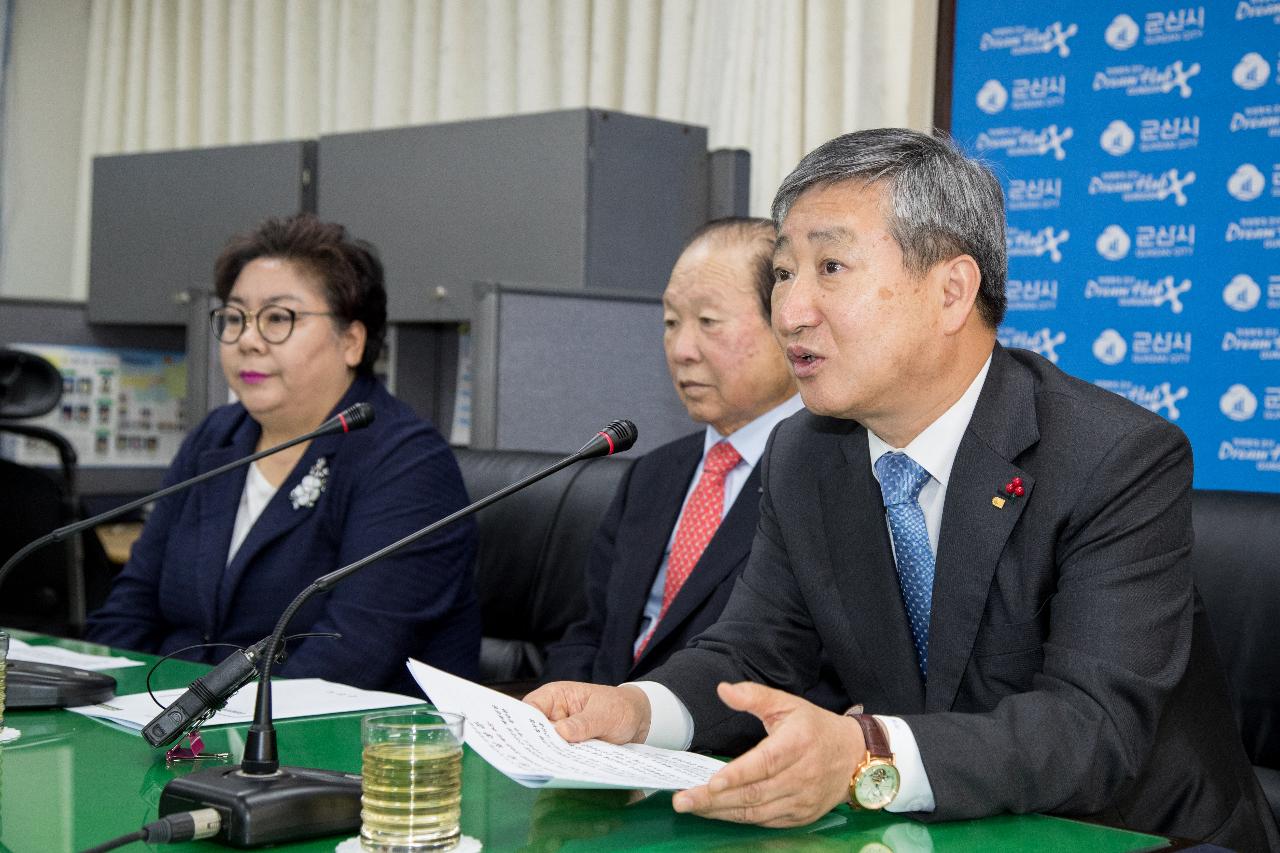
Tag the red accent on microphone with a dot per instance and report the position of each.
(608, 439)
(343, 421)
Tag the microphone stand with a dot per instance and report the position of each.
(263, 802)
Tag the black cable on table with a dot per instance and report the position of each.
(182, 826)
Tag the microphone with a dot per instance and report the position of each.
(615, 438)
(205, 696)
(264, 803)
(32, 687)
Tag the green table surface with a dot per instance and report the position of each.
(71, 782)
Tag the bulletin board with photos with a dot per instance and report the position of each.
(119, 407)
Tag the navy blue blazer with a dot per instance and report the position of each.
(625, 557)
(384, 482)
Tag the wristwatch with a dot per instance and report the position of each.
(875, 780)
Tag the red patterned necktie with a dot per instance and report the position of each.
(697, 525)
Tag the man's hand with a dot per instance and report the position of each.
(792, 777)
(584, 711)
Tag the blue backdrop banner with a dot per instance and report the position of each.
(1139, 149)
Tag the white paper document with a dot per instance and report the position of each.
(519, 741)
(298, 697)
(18, 650)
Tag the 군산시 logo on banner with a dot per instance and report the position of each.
(1130, 291)
(1022, 243)
(1138, 79)
(1113, 243)
(1263, 340)
(1024, 142)
(1160, 347)
(1246, 183)
(1121, 33)
(1176, 240)
(1238, 403)
(1110, 347)
(1251, 72)
(1145, 347)
(1133, 186)
(1043, 341)
(1174, 25)
(1034, 193)
(1242, 293)
(1271, 403)
(1117, 138)
(1255, 229)
(1031, 294)
(1022, 40)
(1033, 93)
(1162, 398)
(1170, 133)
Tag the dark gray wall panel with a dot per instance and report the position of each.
(160, 219)
(567, 365)
(728, 183)
(579, 199)
(647, 192)
(451, 204)
(64, 324)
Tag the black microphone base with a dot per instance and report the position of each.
(295, 803)
(47, 685)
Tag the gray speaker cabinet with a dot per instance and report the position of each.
(579, 199)
(550, 367)
(160, 219)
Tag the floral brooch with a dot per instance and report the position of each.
(308, 491)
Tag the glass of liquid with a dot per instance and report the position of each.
(412, 793)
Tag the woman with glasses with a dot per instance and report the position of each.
(302, 323)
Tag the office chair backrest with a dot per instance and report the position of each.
(29, 385)
(1236, 565)
(533, 549)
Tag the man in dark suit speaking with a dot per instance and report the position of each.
(991, 553)
(680, 527)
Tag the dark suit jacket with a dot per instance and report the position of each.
(625, 556)
(385, 481)
(1071, 670)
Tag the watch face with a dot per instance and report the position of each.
(876, 785)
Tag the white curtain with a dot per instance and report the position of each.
(6, 17)
(777, 77)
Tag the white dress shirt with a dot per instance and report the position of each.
(934, 449)
(750, 442)
(257, 493)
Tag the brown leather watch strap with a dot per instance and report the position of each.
(873, 733)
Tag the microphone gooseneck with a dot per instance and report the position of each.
(352, 418)
(260, 756)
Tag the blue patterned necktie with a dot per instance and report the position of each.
(901, 480)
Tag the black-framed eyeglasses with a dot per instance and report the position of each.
(275, 322)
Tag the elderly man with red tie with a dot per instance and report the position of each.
(680, 528)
